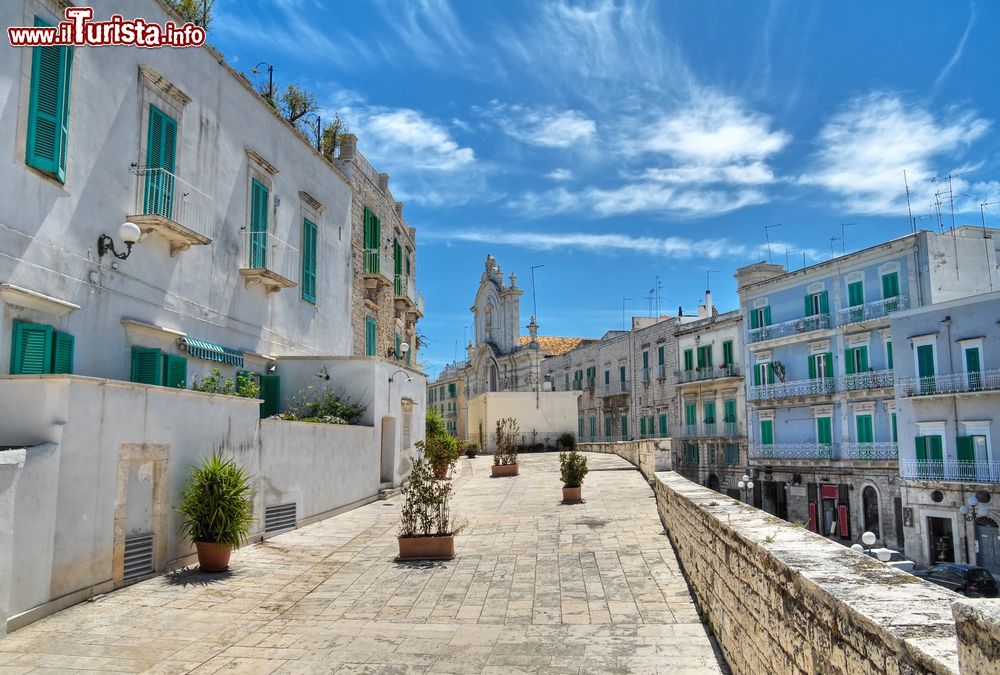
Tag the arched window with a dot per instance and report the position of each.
(869, 501)
(488, 323)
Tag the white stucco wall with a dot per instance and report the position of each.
(11, 463)
(550, 414)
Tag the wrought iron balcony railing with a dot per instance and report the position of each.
(172, 208)
(373, 261)
(269, 261)
(954, 383)
(950, 470)
(792, 451)
(793, 327)
(794, 389)
(873, 379)
(661, 371)
(870, 311)
(710, 373)
(645, 374)
(873, 451)
(615, 388)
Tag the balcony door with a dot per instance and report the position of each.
(161, 149)
(973, 368)
(925, 368)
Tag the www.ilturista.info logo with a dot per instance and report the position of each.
(79, 30)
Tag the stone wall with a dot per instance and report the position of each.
(782, 599)
(649, 456)
(977, 623)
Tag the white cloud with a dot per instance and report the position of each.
(429, 30)
(560, 174)
(751, 173)
(424, 144)
(865, 148)
(957, 54)
(545, 127)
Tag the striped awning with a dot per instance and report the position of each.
(212, 352)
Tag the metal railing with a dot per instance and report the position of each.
(591, 382)
(709, 429)
(875, 309)
(645, 374)
(873, 379)
(709, 373)
(874, 451)
(690, 430)
(264, 251)
(802, 325)
(792, 451)
(954, 383)
(613, 388)
(419, 301)
(967, 472)
(731, 429)
(373, 261)
(159, 192)
(794, 389)
(661, 371)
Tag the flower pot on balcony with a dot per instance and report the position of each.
(213, 557)
(433, 547)
(501, 470)
(572, 495)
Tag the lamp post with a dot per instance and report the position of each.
(746, 486)
(270, 79)
(129, 233)
(869, 539)
(319, 129)
(973, 509)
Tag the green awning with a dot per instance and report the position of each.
(212, 352)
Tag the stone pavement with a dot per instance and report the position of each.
(537, 586)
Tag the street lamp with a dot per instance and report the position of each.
(270, 79)
(319, 129)
(745, 485)
(973, 510)
(129, 233)
(869, 539)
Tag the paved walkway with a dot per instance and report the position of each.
(537, 586)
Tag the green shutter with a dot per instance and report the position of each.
(964, 449)
(621, 373)
(174, 371)
(48, 108)
(642, 426)
(688, 359)
(936, 449)
(888, 355)
(62, 353)
(824, 431)
(708, 355)
(770, 373)
(161, 150)
(147, 365)
(767, 315)
(920, 443)
(729, 410)
(824, 303)
(828, 362)
(31, 349)
(663, 424)
(756, 375)
(690, 414)
(925, 361)
(972, 360)
(624, 426)
(709, 412)
(809, 305)
(895, 436)
(812, 366)
(270, 392)
(660, 358)
(890, 285)
(645, 360)
(309, 234)
(754, 319)
(849, 361)
(258, 225)
(727, 353)
(863, 428)
(862, 359)
(608, 426)
(607, 378)
(371, 340)
(766, 432)
(856, 293)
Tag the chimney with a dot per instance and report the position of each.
(708, 302)
(383, 182)
(399, 206)
(759, 271)
(348, 147)
(680, 311)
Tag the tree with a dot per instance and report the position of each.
(198, 12)
(296, 102)
(333, 135)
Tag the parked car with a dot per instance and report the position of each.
(896, 559)
(968, 580)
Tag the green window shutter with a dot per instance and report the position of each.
(809, 305)
(174, 371)
(161, 150)
(624, 426)
(660, 358)
(690, 414)
(608, 426)
(452, 390)
(579, 427)
(935, 448)
(828, 362)
(863, 428)
(709, 412)
(754, 319)
(849, 361)
(824, 431)
(701, 357)
(399, 341)
(607, 377)
(766, 432)
(147, 365)
(895, 436)
(767, 315)
(270, 393)
(890, 285)
(770, 373)
(48, 108)
(727, 353)
(62, 353)
(756, 375)
(642, 426)
(824, 303)
(645, 360)
(621, 373)
(925, 361)
(964, 449)
(972, 360)
(259, 198)
(593, 426)
(566, 380)
(856, 293)
(729, 409)
(309, 235)
(397, 257)
(812, 366)
(663, 424)
(371, 328)
(920, 443)
(862, 359)
(31, 349)
(888, 355)
(688, 359)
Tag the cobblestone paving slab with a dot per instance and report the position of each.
(536, 587)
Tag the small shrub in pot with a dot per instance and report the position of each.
(572, 470)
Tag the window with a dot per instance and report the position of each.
(688, 359)
(824, 430)
(925, 368)
(690, 453)
(856, 360)
(709, 412)
(888, 355)
(767, 432)
(863, 428)
(663, 424)
(763, 373)
(48, 108)
(760, 317)
(621, 373)
(645, 366)
(817, 303)
(856, 293)
(624, 427)
(973, 367)
(37, 349)
(705, 357)
(727, 353)
(660, 356)
(309, 232)
(397, 268)
(592, 421)
(690, 417)
(890, 285)
(161, 151)
(930, 456)
(608, 427)
(892, 418)
(869, 507)
(566, 378)
(579, 427)
(452, 390)
(371, 333)
(820, 366)
(270, 395)
(259, 199)
(729, 416)
(732, 453)
(152, 366)
(607, 377)
(642, 426)
(373, 242)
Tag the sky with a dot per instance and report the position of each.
(639, 149)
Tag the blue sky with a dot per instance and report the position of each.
(614, 142)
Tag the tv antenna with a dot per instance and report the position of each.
(843, 236)
(767, 237)
(708, 278)
(832, 240)
(623, 311)
(951, 195)
(534, 305)
(909, 211)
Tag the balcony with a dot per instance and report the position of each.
(690, 431)
(661, 372)
(590, 383)
(615, 388)
(374, 276)
(873, 379)
(405, 294)
(950, 470)
(711, 430)
(954, 383)
(792, 451)
(703, 374)
(645, 374)
(870, 311)
(794, 389)
(268, 261)
(171, 208)
(793, 327)
(872, 451)
(731, 430)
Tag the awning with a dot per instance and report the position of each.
(212, 352)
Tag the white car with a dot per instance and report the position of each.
(896, 558)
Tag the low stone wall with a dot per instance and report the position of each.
(782, 599)
(977, 623)
(649, 455)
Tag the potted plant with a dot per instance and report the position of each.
(566, 441)
(216, 510)
(505, 455)
(441, 453)
(425, 530)
(471, 449)
(572, 470)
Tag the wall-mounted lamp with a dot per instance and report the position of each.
(392, 377)
(128, 232)
(322, 374)
(973, 509)
(271, 368)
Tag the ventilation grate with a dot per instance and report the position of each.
(279, 517)
(138, 555)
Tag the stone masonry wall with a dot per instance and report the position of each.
(782, 599)
(978, 625)
(648, 456)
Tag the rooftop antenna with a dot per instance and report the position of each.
(659, 287)
(649, 300)
(937, 210)
(951, 194)
(623, 311)
(787, 265)
(803, 259)
(833, 239)
(843, 236)
(708, 278)
(982, 213)
(909, 211)
(767, 236)
(534, 305)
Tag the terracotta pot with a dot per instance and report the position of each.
(213, 557)
(435, 547)
(440, 471)
(500, 470)
(573, 494)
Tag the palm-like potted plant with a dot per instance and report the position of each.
(426, 530)
(441, 452)
(572, 470)
(216, 510)
(505, 455)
